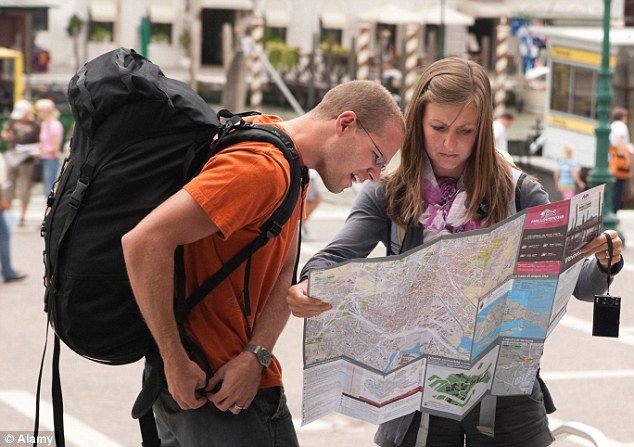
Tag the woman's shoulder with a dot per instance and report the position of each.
(532, 192)
(372, 192)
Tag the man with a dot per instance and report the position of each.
(22, 134)
(620, 156)
(8, 272)
(500, 125)
(349, 137)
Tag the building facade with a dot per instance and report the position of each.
(189, 37)
(112, 23)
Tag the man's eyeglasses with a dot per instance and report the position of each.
(379, 159)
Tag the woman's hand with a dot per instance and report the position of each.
(303, 306)
(599, 248)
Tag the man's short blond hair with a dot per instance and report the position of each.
(373, 104)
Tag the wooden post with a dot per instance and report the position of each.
(234, 92)
(363, 51)
(501, 65)
(411, 59)
(310, 98)
(257, 71)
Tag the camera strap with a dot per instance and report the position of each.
(607, 308)
(609, 253)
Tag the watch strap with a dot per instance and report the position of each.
(261, 353)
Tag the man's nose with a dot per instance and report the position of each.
(374, 173)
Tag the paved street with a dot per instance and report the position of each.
(592, 379)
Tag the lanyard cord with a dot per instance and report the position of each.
(609, 253)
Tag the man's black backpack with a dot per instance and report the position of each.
(139, 137)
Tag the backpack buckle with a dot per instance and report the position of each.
(275, 229)
(78, 194)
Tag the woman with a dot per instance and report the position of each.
(51, 139)
(451, 179)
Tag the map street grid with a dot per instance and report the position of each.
(442, 325)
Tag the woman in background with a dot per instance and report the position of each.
(51, 138)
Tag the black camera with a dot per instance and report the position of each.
(606, 316)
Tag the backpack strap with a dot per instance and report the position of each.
(56, 393)
(519, 179)
(273, 226)
(486, 423)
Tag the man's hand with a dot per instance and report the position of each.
(303, 306)
(183, 379)
(239, 381)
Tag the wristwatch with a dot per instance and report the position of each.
(262, 354)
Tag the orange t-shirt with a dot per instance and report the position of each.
(239, 188)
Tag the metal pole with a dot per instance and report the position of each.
(582, 430)
(195, 44)
(441, 31)
(145, 35)
(297, 108)
(601, 174)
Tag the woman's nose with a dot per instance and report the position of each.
(449, 141)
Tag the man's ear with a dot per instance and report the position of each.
(345, 120)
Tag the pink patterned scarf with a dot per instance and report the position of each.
(444, 206)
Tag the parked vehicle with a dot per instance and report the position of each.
(11, 84)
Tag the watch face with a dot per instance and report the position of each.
(262, 354)
(264, 357)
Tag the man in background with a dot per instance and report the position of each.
(500, 125)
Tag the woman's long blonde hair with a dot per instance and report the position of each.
(487, 178)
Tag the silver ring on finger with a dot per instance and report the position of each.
(237, 407)
(607, 254)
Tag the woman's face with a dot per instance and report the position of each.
(450, 133)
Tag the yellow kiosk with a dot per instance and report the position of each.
(11, 82)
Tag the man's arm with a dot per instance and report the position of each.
(241, 376)
(149, 255)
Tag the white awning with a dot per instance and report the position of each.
(437, 15)
(162, 11)
(276, 14)
(392, 14)
(485, 9)
(227, 4)
(331, 15)
(552, 9)
(103, 10)
(29, 3)
(332, 20)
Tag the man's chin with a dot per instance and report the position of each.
(336, 189)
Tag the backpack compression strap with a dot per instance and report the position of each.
(240, 132)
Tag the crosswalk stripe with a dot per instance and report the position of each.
(76, 432)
